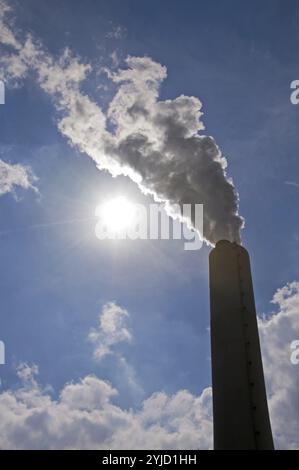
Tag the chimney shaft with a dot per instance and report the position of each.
(240, 410)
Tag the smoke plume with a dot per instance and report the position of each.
(159, 144)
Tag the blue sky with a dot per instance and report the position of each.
(238, 58)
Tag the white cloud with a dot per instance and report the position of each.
(85, 417)
(12, 176)
(117, 32)
(6, 35)
(112, 330)
(115, 59)
(282, 376)
(292, 183)
(27, 374)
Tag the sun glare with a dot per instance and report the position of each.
(116, 214)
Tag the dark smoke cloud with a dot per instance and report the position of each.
(161, 142)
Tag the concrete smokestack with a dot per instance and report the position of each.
(241, 417)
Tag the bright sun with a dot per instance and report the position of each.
(116, 214)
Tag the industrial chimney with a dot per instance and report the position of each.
(240, 410)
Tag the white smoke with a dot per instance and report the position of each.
(158, 144)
